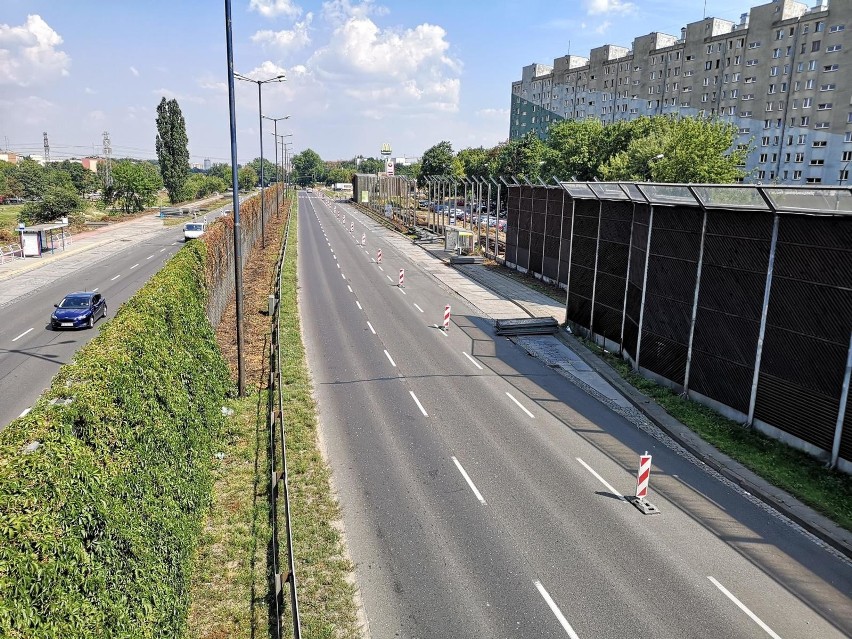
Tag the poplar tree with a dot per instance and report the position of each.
(172, 148)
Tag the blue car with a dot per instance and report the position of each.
(78, 310)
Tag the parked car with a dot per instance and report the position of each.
(193, 230)
(78, 310)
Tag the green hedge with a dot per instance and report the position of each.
(99, 524)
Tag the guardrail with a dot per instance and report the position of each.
(278, 477)
(10, 252)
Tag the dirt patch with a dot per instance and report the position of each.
(258, 283)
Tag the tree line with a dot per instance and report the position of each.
(655, 149)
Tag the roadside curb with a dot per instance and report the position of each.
(795, 510)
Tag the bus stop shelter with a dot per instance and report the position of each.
(44, 238)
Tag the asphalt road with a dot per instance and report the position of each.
(31, 353)
(481, 491)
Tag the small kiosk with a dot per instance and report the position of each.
(44, 238)
(459, 240)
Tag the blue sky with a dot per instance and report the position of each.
(359, 74)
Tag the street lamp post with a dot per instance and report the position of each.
(277, 181)
(238, 267)
(277, 78)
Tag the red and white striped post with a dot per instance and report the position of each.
(644, 475)
(344, 218)
(401, 277)
(352, 227)
(379, 256)
(446, 318)
(363, 239)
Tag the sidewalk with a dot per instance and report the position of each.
(499, 297)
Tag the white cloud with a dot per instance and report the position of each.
(29, 53)
(339, 12)
(603, 26)
(97, 116)
(89, 91)
(492, 113)
(134, 71)
(287, 39)
(273, 8)
(609, 6)
(180, 97)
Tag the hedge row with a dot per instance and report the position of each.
(102, 497)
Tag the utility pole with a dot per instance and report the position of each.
(107, 160)
(46, 149)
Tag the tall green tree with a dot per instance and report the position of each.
(371, 166)
(247, 178)
(521, 157)
(437, 160)
(30, 179)
(269, 170)
(134, 185)
(57, 201)
(308, 167)
(474, 161)
(220, 170)
(172, 148)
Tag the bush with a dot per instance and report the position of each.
(99, 523)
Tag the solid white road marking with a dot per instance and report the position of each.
(381, 269)
(112, 279)
(521, 406)
(469, 482)
(22, 334)
(443, 332)
(349, 287)
(742, 607)
(95, 290)
(26, 410)
(372, 330)
(343, 276)
(475, 363)
(419, 405)
(162, 249)
(601, 479)
(389, 278)
(418, 308)
(555, 610)
(403, 292)
(134, 266)
(359, 305)
(338, 266)
(390, 359)
(149, 257)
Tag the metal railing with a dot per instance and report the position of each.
(9, 252)
(278, 476)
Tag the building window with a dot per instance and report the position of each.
(829, 68)
(773, 71)
(819, 26)
(816, 162)
(751, 45)
(745, 114)
(827, 87)
(809, 84)
(734, 93)
(749, 63)
(814, 180)
(805, 121)
(834, 48)
(763, 157)
(802, 139)
(836, 27)
(807, 102)
(800, 157)
(825, 106)
(821, 125)
(812, 65)
(797, 175)
(846, 157)
(816, 45)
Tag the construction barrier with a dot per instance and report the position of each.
(379, 256)
(644, 475)
(401, 277)
(446, 318)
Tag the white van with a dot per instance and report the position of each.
(193, 230)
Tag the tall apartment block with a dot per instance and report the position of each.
(782, 75)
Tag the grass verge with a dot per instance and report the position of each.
(231, 580)
(803, 476)
(326, 594)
